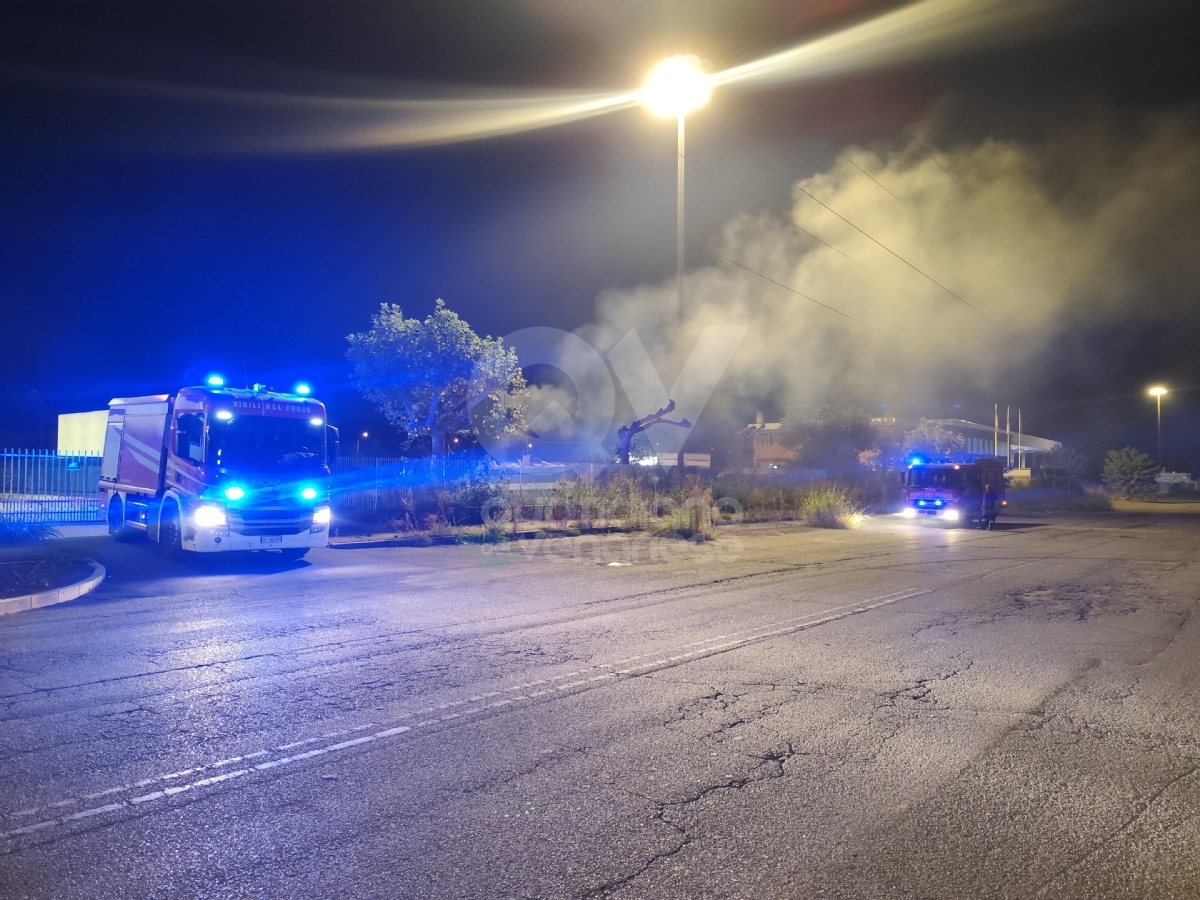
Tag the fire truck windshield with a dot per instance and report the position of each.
(944, 477)
(258, 441)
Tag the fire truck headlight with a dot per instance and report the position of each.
(309, 493)
(209, 517)
(908, 512)
(321, 516)
(951, 515)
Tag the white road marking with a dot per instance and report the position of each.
(760, 632)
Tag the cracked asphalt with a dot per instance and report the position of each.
(894, 712)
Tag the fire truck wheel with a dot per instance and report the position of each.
(294, 554)
(170, 533)
(116, 520)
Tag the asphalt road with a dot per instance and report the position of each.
(894, 712)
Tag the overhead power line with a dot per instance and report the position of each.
(796, 292)
(879, 243)
(923, 274)
(844, 155)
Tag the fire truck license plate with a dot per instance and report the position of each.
(272, 539)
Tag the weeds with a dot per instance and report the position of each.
(663, 502)
(830, 507)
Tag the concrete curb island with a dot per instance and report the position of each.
(58, 595)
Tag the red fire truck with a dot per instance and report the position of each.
(214, 469)
(951, 491)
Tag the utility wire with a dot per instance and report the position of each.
(936, 161)
(1019, 248)
(883, 278)
(781, 284)
(796, 292)
(847, 158)
(790, 221)
(869, 237)
(903, 260)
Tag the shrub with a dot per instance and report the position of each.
(437, 524)
(1129, 473)
(830, 507)
(12, 532)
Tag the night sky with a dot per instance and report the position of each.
(143, 246)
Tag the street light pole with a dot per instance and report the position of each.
(1158, 402)
(1157, 393)
(675, 88)
(679, 232)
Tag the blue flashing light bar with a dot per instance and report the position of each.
(234, 492)
(309, 493)
(303, 389)
(215, 381)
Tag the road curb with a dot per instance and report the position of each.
(58, 595)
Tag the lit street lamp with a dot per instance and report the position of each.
(1157, 393)
(358, 443)
(675, 88)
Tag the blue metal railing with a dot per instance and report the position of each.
(42, 487)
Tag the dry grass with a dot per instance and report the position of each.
(830, 507)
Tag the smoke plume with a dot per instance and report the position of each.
(913, 279)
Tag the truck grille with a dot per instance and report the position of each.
(269, 520)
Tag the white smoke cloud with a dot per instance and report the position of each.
(1040, 240)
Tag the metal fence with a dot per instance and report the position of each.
(41, 487)
(367, 482)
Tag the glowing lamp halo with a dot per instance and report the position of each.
(1157, 391)
(676, 87)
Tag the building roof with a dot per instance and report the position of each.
(1026, 442)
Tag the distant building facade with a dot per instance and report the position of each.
(82, 433)
(983, 440)
(761, 446)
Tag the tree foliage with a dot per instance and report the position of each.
(933, 440)
(1129, 473)
(424, 373)
(827, 436)
(1068, 460)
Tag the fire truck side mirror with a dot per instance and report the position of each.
(333, 443)
(189, 437)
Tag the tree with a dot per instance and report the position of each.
(828, 436)
(932, 439)
(1129, 473)
(423, 375)
(1069, 461)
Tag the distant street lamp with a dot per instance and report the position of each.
(1157, 393)
(676, 87)
(358, 443)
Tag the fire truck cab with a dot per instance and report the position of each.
(215, 469)
(951, 492)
